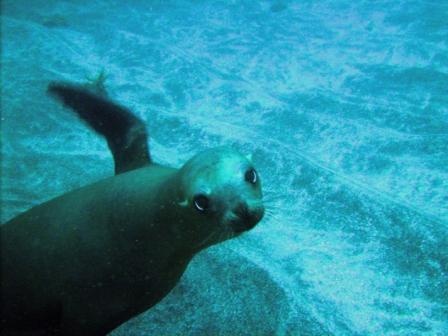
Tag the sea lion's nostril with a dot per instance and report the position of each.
(242, 211)
(247, 218)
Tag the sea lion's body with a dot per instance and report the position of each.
(89, 260)
(127, 270)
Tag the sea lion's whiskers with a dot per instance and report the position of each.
(272, 205)
(274, 198)
(270, 212)
(269, 206)
(273, 208)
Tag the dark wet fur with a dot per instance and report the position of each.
(125, 133)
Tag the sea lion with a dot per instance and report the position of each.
(89, 260)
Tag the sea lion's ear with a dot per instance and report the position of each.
(249, 157)
(183, 203)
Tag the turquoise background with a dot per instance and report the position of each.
(344, 106)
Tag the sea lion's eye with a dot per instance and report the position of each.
(201, 202)
(251, 176)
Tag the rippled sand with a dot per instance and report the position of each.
(344, 107)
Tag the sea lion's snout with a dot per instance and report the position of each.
(246, 217)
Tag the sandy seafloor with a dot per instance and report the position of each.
(344, 105)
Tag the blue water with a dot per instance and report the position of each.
(344, 106)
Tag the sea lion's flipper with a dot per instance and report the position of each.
(96, 84)
(125, 133)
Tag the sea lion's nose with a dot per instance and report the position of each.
(247, 217)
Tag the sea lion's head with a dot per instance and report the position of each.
(221, 190)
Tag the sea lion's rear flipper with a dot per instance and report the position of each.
(125, 133)
(96, 84)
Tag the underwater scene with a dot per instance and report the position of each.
(342, 106)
